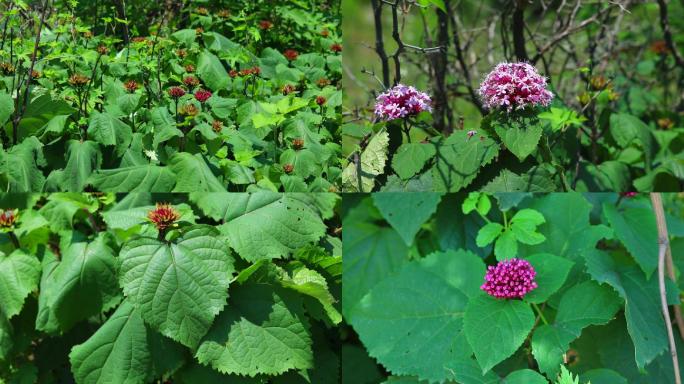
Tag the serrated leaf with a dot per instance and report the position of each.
(520, 140)
(372, 163)
(116, 353)
(411, 158)
(84, 157)
(283, 222)
(263, 330)
(19, 170)
(507, 181)
(142, 178)
(636, 228)
(489, 321)
(642, 304)
(370, 254)
(179, 287)
(110, 131)
(19, 274)
(81, 285)
(459, 160)
(193, 174)
(582, 305)
(211, 71)
(408, 321)
(312, 283)
(406, 212)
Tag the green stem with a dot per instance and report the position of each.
(539, 312)
(505, 220)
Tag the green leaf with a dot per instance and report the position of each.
(186, 36)
(520, 140)
(489, 321)
(627, 129)
(411, 158)
(179, 287)
(561, 118)
(6, 338)
(141, 178)
(636, 228)
(83, 284)
(582, 305)
(193, 174)
(6, 108)
(312, 283)
(507, 181)
(459, 160)
(263, 330)
(551, 274)
(84, 157)
(406, 212)
(19, 170)
(487, 234)
(116, 353)
(372, 164)
(524, 376)
(211, 71)
(506, 246)
(642, 304)
(62, 207)
(524, 226)
(283, 222)
(370, 254)
(587, 304)
(603, 376)
(409, 321)
(19, 274)
(110, 131)
(567, 228)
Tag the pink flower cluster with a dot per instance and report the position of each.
(510, 279)
(514, 86)
(401, 101)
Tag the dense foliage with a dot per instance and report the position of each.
(183, 96)
(598, 108)
(419, 310)
(207, 288)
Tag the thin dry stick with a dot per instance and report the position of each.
(664, 244)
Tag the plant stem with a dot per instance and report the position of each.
(540, 313)
(664, 251)
(505, 215)
(14, 239)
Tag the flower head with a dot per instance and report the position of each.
(176, 92)
(514, 86)
(320, 100)
(288, 168)
(287, 89)
(217, 126)
(401, 101)
(265, 24)
(163, 216)
(298, 144)
(102, 49)
(201, 95)
(336, 48)
(78, 80)
(509, 279)
(131, 86)
(191, 81)
(290, 54)
(189, 110)
(189, 68)
(8, 218)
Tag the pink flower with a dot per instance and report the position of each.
(514, 86)
(202, 95)
(176, 92)
(401, 101)
(509, 279)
